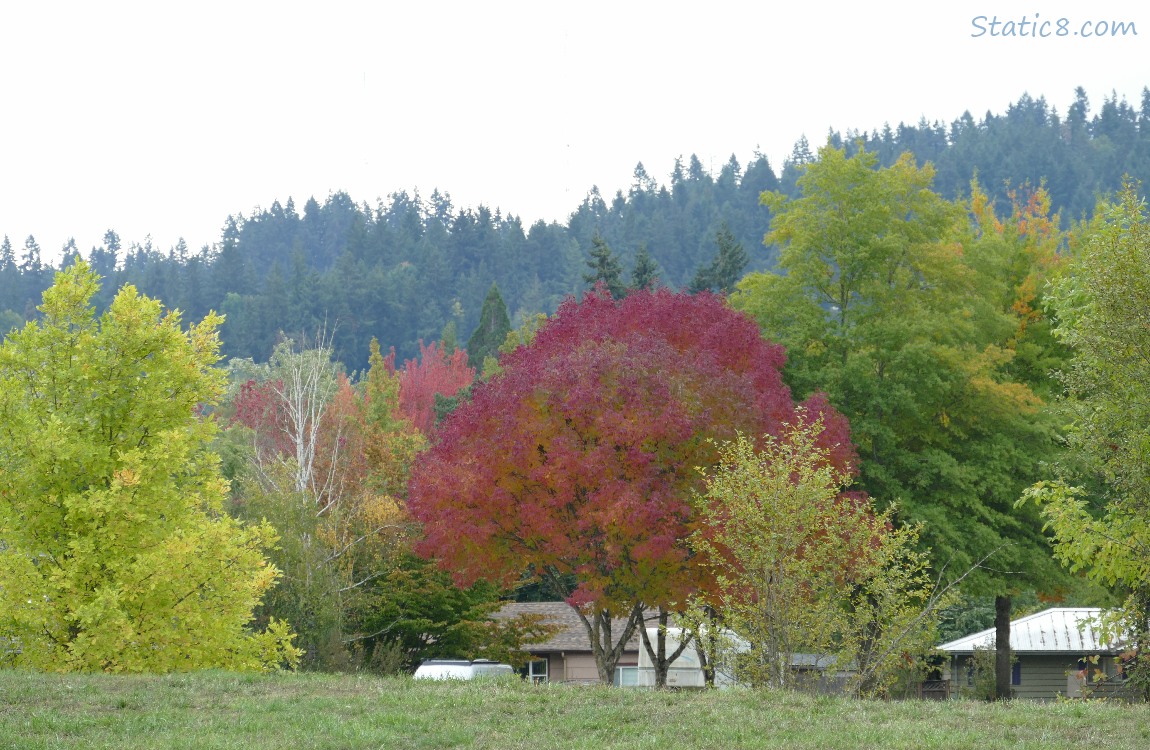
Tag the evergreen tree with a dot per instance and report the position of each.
(644, 274)
(494, 325)
(449, 339)
(606, 267)
(7, 256)
(9, 288)
(30, 260)
(725, 269)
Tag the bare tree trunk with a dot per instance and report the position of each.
(307, 381)
(604, 647)
(658, 654)
(705, 638)
(1002, 670)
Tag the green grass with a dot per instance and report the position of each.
(288, 711)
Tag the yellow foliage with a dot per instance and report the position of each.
(114, 552)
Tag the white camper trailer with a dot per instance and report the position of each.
(685, 671)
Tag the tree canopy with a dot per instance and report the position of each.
(115, 552)
(803, 567)
(591, 436)
(1098, 508)
(494, 325)
(888, 304)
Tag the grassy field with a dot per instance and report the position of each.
(287, 711)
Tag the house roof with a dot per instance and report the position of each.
(1055, 630)
(572, 636)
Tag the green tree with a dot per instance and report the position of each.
(448, 338)
(1099, 509)
(803, 568)
(9, 321)
(885, 305)
(605, 267)
(494, 324)
(725, 269)
(115, 553)
(645, 273)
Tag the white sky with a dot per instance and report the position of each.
(161, 118)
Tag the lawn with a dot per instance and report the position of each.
(288, 711)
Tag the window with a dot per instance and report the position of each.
(1015, 673)
(626, 676)
(535, 671)
(1089, 669)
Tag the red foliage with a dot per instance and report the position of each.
(436, 371)
(581, 456)
(257, 406)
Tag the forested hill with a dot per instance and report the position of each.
(1077, 154)
(403, 269)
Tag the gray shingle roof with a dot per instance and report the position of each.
(1055, 630)
(573, 635)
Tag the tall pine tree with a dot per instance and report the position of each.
(644, 274)
(494, 325)
(725, 269)
(606, 267)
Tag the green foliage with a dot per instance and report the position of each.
(804, 569)
(115, 553)
(521, 336)
(1079, 154)
(645, 272)
(982, 685)
(1101, 305)
(971, 614)
(9, 321)
(445, 405)
(605, 268)
(401, 268)
(448, 338)
(351, 587)
(725, 270)
(341, 527)
(881, 305)
(494, 325)
(417, 608)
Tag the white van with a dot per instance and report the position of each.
(461, 669)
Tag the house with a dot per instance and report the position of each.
(1059, 651)
(566, 656)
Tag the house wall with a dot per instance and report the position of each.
(580, 667)
(577, 668)
(554, 667)
(1045, 677)
(1042, 676)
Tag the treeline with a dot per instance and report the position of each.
(1078, 156)
(404, 269)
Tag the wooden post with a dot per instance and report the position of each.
(1002, 648)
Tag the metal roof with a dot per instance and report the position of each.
(1055, 630)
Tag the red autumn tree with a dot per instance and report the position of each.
(578, 461)
(434, 372)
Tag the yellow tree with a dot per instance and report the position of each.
(1015, 257)
(115, 553)
(802, 567)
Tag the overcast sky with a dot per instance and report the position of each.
(160, 119)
